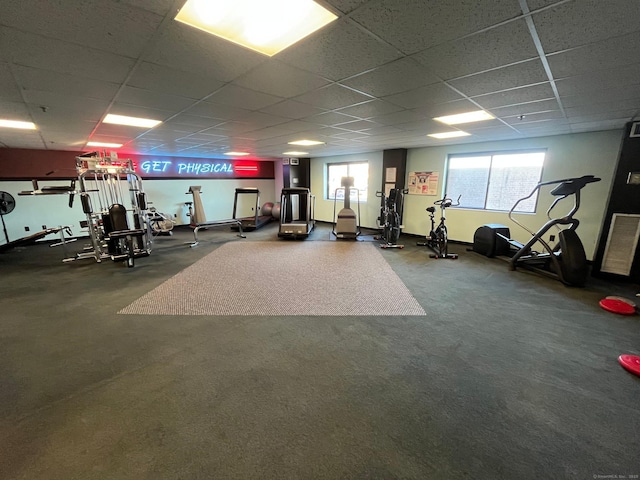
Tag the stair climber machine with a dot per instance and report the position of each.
(346, 226)
(566, 260)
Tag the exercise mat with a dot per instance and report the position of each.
(283, 278)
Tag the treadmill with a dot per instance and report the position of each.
(297, 212)
(256, 221)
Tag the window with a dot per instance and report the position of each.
(359, 172)
(495, 181)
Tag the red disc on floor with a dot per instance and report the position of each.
(630, 363)
(617, 306)
(624, 299)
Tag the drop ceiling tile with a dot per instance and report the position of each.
(371, 108)
(190, 121)
(357, 125)
(512, 76)
(344, 6)
(609, 54)
(9, 90)
(329, 119)
(414, 25)
(448, 108)
(291, 109)
(382, 130)
(627, 105)
(191, 50)
(279, 79)
(537, 4)
(397, 118)
(395, 77)
(257, 120)
(332, 97)
(240, 97)
(503, 45)
(106, 26)
(482, 131)
(161, 7)
(31, 50)
(526, 108)
(614, 79)
(516, 96)
(573, 24)
(62, 84)
(167, 80)
(601, 96)
(338, 51)
(146, 98)
(212, 110)
(423, 96)
(14, 110)
(516, 121)
(612, 124)
(10, 138)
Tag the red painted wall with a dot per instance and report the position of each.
(27, 164)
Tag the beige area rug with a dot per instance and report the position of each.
(283, 278)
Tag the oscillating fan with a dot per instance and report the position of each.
(7, 204)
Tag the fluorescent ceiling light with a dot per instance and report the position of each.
(237, 154)
(266, 27)
(104, 144)
(468, 117)
(306, 143)
(131, 121)
(295, 153)
(457, 133)
(17, 124)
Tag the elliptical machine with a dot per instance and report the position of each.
(390, 218)
(566, 260)
(438, 239)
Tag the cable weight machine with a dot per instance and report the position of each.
(118, 232)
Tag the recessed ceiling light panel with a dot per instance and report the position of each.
(131, 121)
(237, 154)
(295, 154)
(104, 144)
(17, 124)
(306, 143)
(457, 133)
(477, 116)
(266, 27)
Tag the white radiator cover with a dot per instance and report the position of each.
(621, 244)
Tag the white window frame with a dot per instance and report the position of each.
(529, 206)
(330, 192)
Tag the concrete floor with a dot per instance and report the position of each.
(508, 376)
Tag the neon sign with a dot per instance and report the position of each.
(184, 168)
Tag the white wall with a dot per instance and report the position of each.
(168, 196)
(369, 210)
(567, 156)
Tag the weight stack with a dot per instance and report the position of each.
(487, 242)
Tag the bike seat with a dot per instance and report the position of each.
(431, 209)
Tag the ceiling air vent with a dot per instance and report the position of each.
(621, 244)
(635, 129)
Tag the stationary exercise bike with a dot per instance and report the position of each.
(390, 218)
(565, 260)
(438, 240)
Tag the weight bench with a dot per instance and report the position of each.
(233, 222)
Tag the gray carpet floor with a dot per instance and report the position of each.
(303, 278)
(507, 376)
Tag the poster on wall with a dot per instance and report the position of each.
(423, 183)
